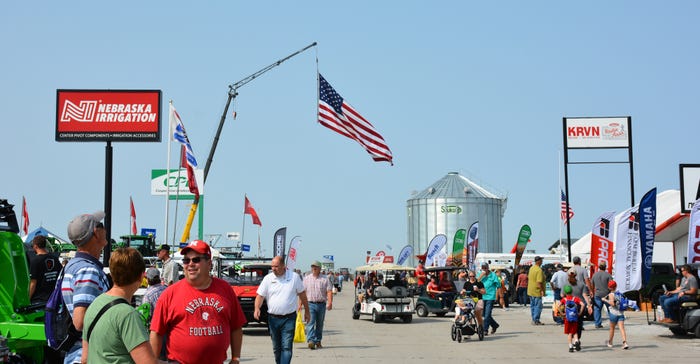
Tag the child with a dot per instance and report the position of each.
(571, 316)
(617, 317)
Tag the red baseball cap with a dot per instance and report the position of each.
(198, 246)
(612, 285)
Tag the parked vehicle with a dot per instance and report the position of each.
(383, 303)
(245, 284)
(688, 314)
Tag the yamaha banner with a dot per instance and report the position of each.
(279, 242)
(694, 234)
(404, 254)
(647, 231)
(434, 248)
(628, 255)
(602, 240)
(472, 246)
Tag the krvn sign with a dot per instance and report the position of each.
(108, 115)
(597, 132)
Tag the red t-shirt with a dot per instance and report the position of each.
(420, 275)
(198, 323)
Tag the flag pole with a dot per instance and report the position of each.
(259, 241)
(560, 189)
(245, 196)
(167, 173)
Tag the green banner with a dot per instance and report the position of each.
(523, 238)
(458, 247)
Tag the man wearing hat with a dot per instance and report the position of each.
(535, 289)
(155, 288)
(83, 277)
(600, 280)
(319, 293)
(558, 281)
(170, 271)
(200, 314)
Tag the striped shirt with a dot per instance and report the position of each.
(83, 281)
(317, 288)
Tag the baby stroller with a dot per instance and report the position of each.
(465, 323)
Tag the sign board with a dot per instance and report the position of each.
(612, 132)
(148, 231)
(108, 115)
(690, 185)
(234, 235)
(176, 181)
(245, 247)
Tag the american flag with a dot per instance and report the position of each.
(336, 114)
(180, 135)
(564, 216)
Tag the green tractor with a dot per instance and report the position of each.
(21, 324)
(145, 244)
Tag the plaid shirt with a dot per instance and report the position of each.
(317, 288)
(152, 294)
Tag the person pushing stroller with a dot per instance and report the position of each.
(472, 289)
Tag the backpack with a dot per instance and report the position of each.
(58, 324)
(571, 311)
(622, 302)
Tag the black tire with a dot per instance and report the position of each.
(697, 331)
(678, 331)
(459, 336)
(480, 332)
(407, 319)
(376, 317)
(454, 332)
(421, 311)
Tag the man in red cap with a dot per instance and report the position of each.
(200, 314)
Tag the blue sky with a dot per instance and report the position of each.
(479, 89)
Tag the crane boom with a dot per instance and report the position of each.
(232, 93)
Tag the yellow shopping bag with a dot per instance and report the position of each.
(299, 330)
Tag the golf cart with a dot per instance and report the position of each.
(426, 303)
(383, 302)
(688, 313)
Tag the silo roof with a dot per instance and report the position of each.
(455, 186)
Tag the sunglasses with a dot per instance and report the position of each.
(194, 260)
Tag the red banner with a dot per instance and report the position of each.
(601, 240)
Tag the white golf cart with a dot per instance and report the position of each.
(387, 301)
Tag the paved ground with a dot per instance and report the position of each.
(427, 340)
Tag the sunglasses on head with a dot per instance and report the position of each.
(194, 260)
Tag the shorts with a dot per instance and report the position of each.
(570, 327)
(615, 318)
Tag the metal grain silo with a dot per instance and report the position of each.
(452, 203)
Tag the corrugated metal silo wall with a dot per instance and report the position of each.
(429, 217)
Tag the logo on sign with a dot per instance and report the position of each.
(83, 113)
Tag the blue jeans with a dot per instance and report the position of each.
(282, 334)
(488, 318)
(557, 294)
(535, 308)
(314, 329)
(671, 303)
(597, 308)
(74, 354)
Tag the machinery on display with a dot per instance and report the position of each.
(22, 337)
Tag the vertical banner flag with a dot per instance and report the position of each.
(406, 252)
(25, 217)
(602, 240)
(628, 255)
(251, 211)
(188, 160)
(279, 242)
(566, 211)
(694, 234)
(434, 248)
(458, 247)
(328, 258)
(133, 217)
(293, 250)
(191, 180)
(472, 246)
(523, 238)
(647, 231)
(336, 114)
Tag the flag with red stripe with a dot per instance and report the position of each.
(251, 211)
(564, 209)
(336, 114)
(25, 217)
(133, 216)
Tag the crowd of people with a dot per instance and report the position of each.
(205, 307)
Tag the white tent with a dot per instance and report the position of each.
(668, 214)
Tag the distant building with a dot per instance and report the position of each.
(452, 203)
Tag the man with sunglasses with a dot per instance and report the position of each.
(83, 277)
(200, 314)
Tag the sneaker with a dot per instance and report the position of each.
(608, 343)
(624, 345)
(598, 326)
(577, 345)
(571, 350)
(539, 323)
(493, 330)
(312, 346)
(319, 346)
